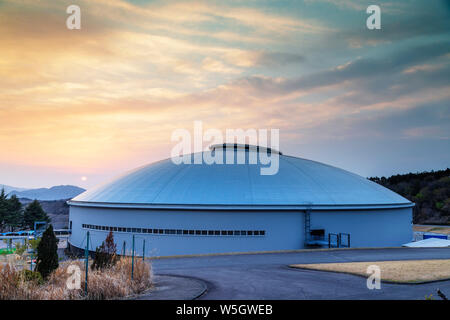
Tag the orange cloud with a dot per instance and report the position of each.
(103, 95)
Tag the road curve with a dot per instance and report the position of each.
(267, 276)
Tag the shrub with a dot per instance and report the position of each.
(34, 243)
(109, 283)
(439, 205)
(47, 255)
(9, 285)
(21, 248)
(31, 276)
(105, 255)
(141, 277)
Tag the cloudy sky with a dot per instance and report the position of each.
(80, 106)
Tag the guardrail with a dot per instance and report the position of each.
(32, 232)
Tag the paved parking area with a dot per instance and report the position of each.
(266, 276)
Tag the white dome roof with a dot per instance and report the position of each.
(299, 183)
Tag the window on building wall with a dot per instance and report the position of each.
(178, 231)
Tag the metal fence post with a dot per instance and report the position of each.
(143, 251)
(132, 260)
(86, 254)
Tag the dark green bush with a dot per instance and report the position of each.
(47, 254)
(32, 276)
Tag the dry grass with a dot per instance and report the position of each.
(409, 271)
(112, 283)
(441, 230)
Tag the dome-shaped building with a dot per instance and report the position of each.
(214, 208)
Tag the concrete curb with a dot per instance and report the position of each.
(268, 252)
(173, 287)
(202, 282)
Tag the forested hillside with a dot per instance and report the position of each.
(430, 191)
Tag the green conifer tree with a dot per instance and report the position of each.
(34, 212)
(47, 254)
(3, 209)
(14, 216)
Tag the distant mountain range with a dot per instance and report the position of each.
(53, 193)
(8, 189)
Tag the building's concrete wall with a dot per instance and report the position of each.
(283, 230)
(368, 228)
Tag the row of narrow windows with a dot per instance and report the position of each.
(179, 231)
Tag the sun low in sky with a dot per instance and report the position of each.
(105, 98)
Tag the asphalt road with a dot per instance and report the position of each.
(267, 276)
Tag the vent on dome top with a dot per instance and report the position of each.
(241, 146)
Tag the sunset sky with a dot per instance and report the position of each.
(80, 106)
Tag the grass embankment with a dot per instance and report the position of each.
(111, 283)
(409, 271)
